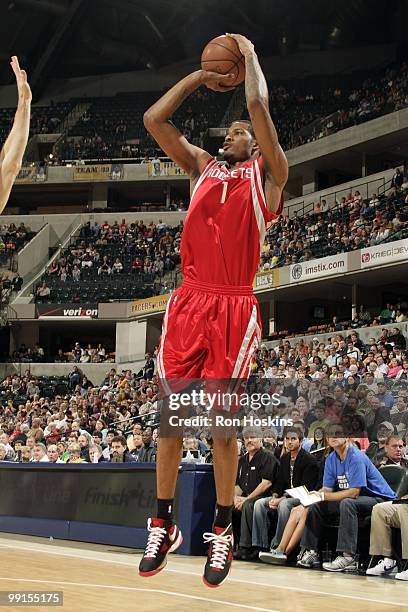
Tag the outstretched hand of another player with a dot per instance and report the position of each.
(245, 45)
(216, 81)
(24, 91)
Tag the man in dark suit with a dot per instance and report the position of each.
(297, 468)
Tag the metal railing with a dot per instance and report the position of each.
(63, 241)
(332, 197)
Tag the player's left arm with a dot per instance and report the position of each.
(11, 155)
(274, 159)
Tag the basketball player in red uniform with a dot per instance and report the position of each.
(212, 326)
(11, 155)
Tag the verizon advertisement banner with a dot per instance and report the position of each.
(318, 268)
(385, 253)
(66, 311)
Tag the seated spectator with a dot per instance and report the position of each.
(40, 453)
(149, 447)
(257, 470)
(135, 445)
(403, 373)
(320, 421)
(120, 453)
(397, 339)
(117, 267)
(297, 468)
(394, 452)
(3, 453)
(104, 268)
(107, 451)
(83, 441)
(376, 450)
(190, 443)
(385, 516)
(95, 454)
(395, 368)
(399, 414)
(43, 291)
(386, 398)
(397, 179)
(53, 454)
(352, 486)
(76, 273)
(26, 454)
(74, 453)
(5, 440)
(386, 314)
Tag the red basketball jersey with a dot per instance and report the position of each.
(226, 224)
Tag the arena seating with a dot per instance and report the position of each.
(350, 389)
(74, 410)
(309, 111)
(12, 239)
(109, 123)
(117, 262)
(44, 119)
(77, 352)
(303, 112)
(352, 224)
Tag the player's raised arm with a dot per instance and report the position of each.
(11, 155)
(157, 120)
(257, 98)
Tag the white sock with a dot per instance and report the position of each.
(388, 562)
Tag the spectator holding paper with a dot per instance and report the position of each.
(352, 486)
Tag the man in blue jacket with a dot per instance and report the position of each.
(352, 486)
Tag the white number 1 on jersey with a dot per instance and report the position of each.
(224, 192)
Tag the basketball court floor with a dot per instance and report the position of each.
(97, 578)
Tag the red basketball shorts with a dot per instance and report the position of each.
(209, 332)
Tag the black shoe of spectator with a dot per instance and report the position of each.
(245, 554)
(164, 537)
(219, 557)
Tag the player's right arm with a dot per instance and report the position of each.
(157, 121)
(11, 155)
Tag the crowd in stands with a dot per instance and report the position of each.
(71, 419)
(352, 224)
(9, 283)
(340, 425)
(44, 119)
(12, 239)
(364, 317)
(115, 261)
(112, 128)
(303, 115)
(85, 354)
(77, 353)
(124, 260)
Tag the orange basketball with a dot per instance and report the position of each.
(222, 55)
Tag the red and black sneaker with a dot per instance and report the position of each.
(164, 537)
(219, 556)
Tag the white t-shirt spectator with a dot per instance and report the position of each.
(117, 266)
